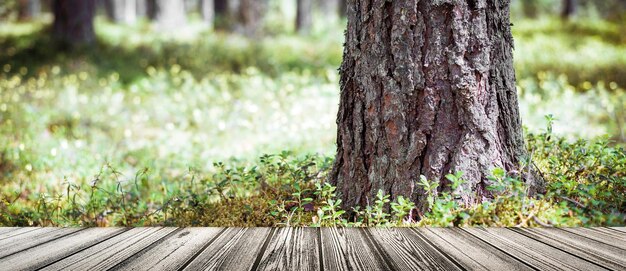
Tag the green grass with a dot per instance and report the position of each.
(132, 131)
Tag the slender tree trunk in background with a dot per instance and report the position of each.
(207, 10)
(191, 5)
(225, 12)
(151, 9)
(343, 8)
(427, 88)
(568, 9)
(329, 9)
(250, 16)
(142, 8)
(121, 11)
(170, 15)
(73, 21)
(530, 8)
(28, 9)
(304, 16)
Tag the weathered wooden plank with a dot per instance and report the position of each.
(30, 239)
(470, 252)
(621, 229)
(618, 234)
(597, 252)
(4, 230)
(350, 249)
(17, 232)
(609, 238)
(409, 251)
(112, 251)
(530, 251)
(234, 249)
(292, 249)
(173, 252)
(45, 254)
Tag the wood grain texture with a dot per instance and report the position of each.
(172, 252)
(16, 232)
(45, 254)
(597, 252)
(608, 237)
(5, 230)
(234, 249)
(620, 229)
(409, 251)
(112, 251)
(470, 252)
(312, 249)
(292, 249)
(530, 251)
(349, 249)
(30, 239)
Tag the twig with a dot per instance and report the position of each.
(580, 205)
(541, 223)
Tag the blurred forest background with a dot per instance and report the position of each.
(117, 110)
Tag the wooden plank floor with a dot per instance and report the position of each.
(312, 249)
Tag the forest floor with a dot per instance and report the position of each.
(144, 129)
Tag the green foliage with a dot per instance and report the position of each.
(148, 114)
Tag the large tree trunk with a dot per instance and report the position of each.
(28, 9)
(304, 16)
(170, 15)
(121, 11)
(73, 21)
(427, 88)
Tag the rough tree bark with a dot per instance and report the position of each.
(170, 15)
(121, 11)
(427, 88)
(73, 21)
(304, 16)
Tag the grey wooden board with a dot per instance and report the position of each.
(112, 251)
(170, 253)
(621, 229)
(597, 252)
(470, 251)
(16, 232)
(407, 250)
(42, 255)
(530, 251)
(312, 249)
(4, 230)
(349, 249)
(30, 239)
(292, 249)
(607, 237)
(234, 249)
